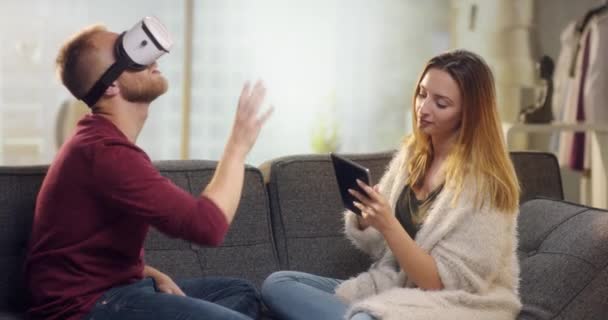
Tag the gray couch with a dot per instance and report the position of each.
(289, 218)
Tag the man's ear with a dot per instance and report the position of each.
(112, 90)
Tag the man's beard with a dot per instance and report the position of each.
(142, 89)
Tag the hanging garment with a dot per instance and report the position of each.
(582, 97)
(563, 86)
(561, 80)
(570, 92)
(577, 151)
(596, 86)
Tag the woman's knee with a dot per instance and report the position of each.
(277, 278)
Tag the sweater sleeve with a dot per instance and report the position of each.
(371, 240)
(125, 179)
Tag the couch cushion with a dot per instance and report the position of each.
(563, 252)
(306, 213)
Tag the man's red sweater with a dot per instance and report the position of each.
(93, 211)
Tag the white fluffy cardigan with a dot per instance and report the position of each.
(475, 253)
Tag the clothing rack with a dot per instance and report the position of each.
(580, 27)
(594, 190)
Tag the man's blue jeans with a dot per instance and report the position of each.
(292, 295)
(206, 298)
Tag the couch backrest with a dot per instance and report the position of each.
(538, 174)
(249, 241)
(248, 250)
(18, 189)
(563, 252)
(306, 213)
(306, 207)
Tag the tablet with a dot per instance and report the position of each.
(347, 173)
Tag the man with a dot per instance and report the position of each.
(101, 194)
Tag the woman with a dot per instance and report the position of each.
(440, 226)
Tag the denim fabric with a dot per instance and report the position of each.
(291, 295)
(206, 298)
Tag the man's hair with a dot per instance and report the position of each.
(74, 61)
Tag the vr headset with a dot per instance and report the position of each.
(135, 50)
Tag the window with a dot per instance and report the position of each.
(340, 73)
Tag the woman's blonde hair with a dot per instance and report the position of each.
(479, 151)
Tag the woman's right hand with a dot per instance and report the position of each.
(247, 123)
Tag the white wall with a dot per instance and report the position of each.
(500, 31)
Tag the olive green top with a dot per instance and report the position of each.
(412, 212)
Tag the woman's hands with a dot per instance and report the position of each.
(415, 262)
(375, 209)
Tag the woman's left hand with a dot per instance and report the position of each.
(375, 209)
